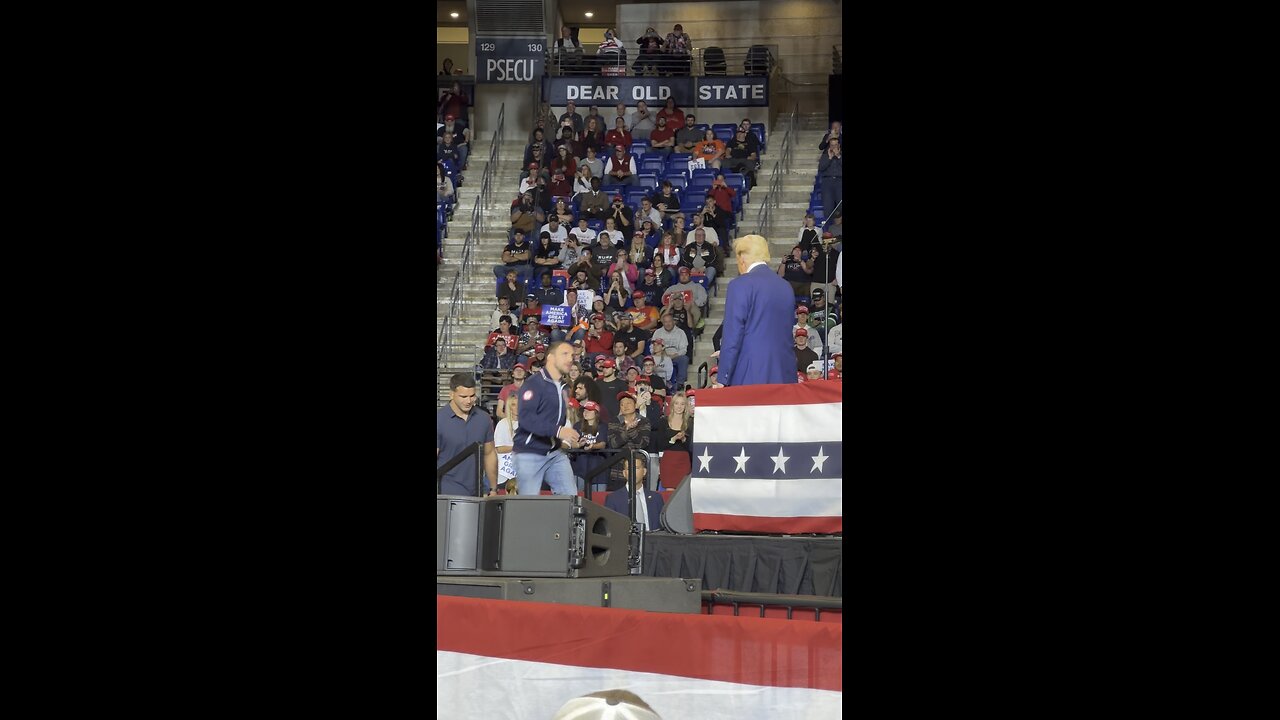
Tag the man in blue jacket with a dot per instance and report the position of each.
(758, 316)
(543, 410)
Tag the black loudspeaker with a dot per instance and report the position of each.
(553, 536)
(457, 535)
(677, 514)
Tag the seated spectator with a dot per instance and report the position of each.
(672, 114)
(663, 276)
(620, 111)
(564, 162)
(444, 186)
(618, 294)
(643, 315)
(677, 47)
(505, 329)
(695, 296)
(595, 204)
(641, 122)
(650, 234)
(585, 270)
(674, 438)
(623, 217)
(713, 217)
(504, 309)
(802, 321)
(666, 200)
(700, 223)
(813, 372)
(651, 289)
(679, 232)
(619, 136)
(562, 213)
(525, 216)
(804, 353)
(538, 144)
(547, 293)
(533, 336)
(517, 256)
(663, 138)
(532, 310)
(610, 384)
(836, 228)
(529, 180)
(710, 149)
(611, 54)
(599, 340)
(572, 115)
(810, 237)
(722, 194)
(702, 256)
(658, 370)
(593, 438)
(621, 359)
(823, 316)
(609, 239)
(744, 156)
(835, 339)
(634, 337)
(649, 512)
(688, 137)
(648, 212)
(838, 373)
(675, 346)
(797, 271)
(461, 137)
(583, 235)
(497, 360)
(650, 53)
(568, 52)
(621, 167)
(448, 150)
(513, 289)
(582, 181)
(638, 253)
(824, 258)
(668, 253)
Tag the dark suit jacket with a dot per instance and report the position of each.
(617, 502)
(759, 312)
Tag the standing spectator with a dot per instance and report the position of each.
(571, 114)
(834, 132)
(831, 172)
(678, 46)
(810, 237)
(663, 139)
(804, 353)
(610, 385)
(446, 67)
(518, 375)
(626, 432)
(796, 271)
(758, 307)
(504, 443)
(675, 435)
(673, 115)
(542, 419)
(610, 54)
(595, 204)
(518, 255)
(688, 137)
(650, 53)
(454, 102)
(593, 439)
(710, 149)
(621, 167)
(675, 346)
(702, 255)
(619, 136)
(593, 139)
(568, 52)
(458, 426)
(723, 194)
(641, 124)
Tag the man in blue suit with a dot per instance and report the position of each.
(759, 310)
(651, 513)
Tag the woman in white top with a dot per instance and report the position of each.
(582, 182)
(504, 434)
(444, 186)
(615, 236)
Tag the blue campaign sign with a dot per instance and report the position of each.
(555, 315)
(586, 91)
(733, 92)
(509, 59)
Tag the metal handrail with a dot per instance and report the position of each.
(476, 449)
(772, 200)
(589, 62)
(764, 600)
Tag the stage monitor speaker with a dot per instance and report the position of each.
(552, 536)
(457, 535)
(677, 514)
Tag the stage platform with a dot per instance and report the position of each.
(749, 563)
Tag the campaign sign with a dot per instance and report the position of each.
(510, 59)
(555, 315)
(586, 91)
(733, 92)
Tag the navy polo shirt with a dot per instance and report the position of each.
(453, 435)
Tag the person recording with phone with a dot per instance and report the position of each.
(831, 172)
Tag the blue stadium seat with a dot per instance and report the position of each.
(738, 182)
(649, 181)
(596, 225)
(634, 195)
(724, 131)
(678, 180)
(683, 157)
(652, 165)
(758, 129)
(701, 181)
(639, 147)
(704, 172)
(702, 127)
(558, 282)
(694, 196)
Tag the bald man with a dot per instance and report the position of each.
(758, 316)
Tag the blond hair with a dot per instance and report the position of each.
(752, 249)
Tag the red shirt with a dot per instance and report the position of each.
(724, 197)
(613, 139)
(675, 118)
(512, 339)
(604, 344)
(661, 134)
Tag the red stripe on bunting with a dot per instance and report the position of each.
(775, 525)
(728, 649)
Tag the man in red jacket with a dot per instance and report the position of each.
(599, 341)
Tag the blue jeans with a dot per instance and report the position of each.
(680, 373)
(711, 277)
(463, 151)
(532, 469)
(832, 192)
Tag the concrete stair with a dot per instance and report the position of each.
(478, 289)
